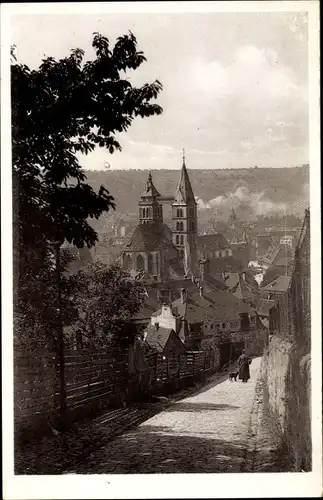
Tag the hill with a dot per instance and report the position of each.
(252, 191)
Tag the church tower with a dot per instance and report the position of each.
(184, 219)
(150, 210)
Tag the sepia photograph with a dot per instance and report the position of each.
(163, 172)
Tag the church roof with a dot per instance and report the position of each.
(150, 191)
(150, 236)
(184, 191)
(213, 241)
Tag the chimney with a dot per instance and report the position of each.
(183, 295)
(201, 291)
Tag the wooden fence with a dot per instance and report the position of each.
(94, 379)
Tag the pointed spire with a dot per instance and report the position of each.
(150, 191)
(184, 191)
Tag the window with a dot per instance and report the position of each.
(181, 226)
(140, 263)
(177, 239)
(181, 254)
(150, 264)
(182, 239)
(223, 325)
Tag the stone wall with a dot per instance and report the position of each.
(255, 341)
(286, 372)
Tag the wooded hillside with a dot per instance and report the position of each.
(274, 185)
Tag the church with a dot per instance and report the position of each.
(159, 252)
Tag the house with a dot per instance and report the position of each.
(278, 256)
(276, 288)
(208, 319)
(164, 341)
(213, 246)
(263, 310)
(242, 285)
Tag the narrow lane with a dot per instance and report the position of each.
(207, 432)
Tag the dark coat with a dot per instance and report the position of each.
(243, 363)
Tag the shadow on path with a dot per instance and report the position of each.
(155, 449)
(190, 406)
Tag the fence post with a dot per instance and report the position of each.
(61, 347)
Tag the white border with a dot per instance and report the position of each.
(159, 485)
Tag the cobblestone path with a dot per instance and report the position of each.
(215, 430)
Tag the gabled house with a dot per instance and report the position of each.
(164, 341)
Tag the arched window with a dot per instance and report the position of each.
(177, 239)
(144, 213)
(181, 226)
(178, 225)
(150, 264)
(127, 262)
(182, 239)
(181, 212)
(140, 263)
(178, 213)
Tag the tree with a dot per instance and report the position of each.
(106, 299)
(64, 108)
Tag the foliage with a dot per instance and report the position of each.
(65, 108)
(36, 319)
(106, 299)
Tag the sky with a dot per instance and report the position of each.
(235, 85)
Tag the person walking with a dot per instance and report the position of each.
(243, 362)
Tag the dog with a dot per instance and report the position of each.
(233, 375)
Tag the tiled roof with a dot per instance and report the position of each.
(219, 306)
(157, 338)
(278, 256)
(149, 306)
(280, 284)
(228, 264)
(231, 280)
(151, 236)
(213, 241)
(264, 307)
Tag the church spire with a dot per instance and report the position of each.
(184, 192)
(150, 210)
